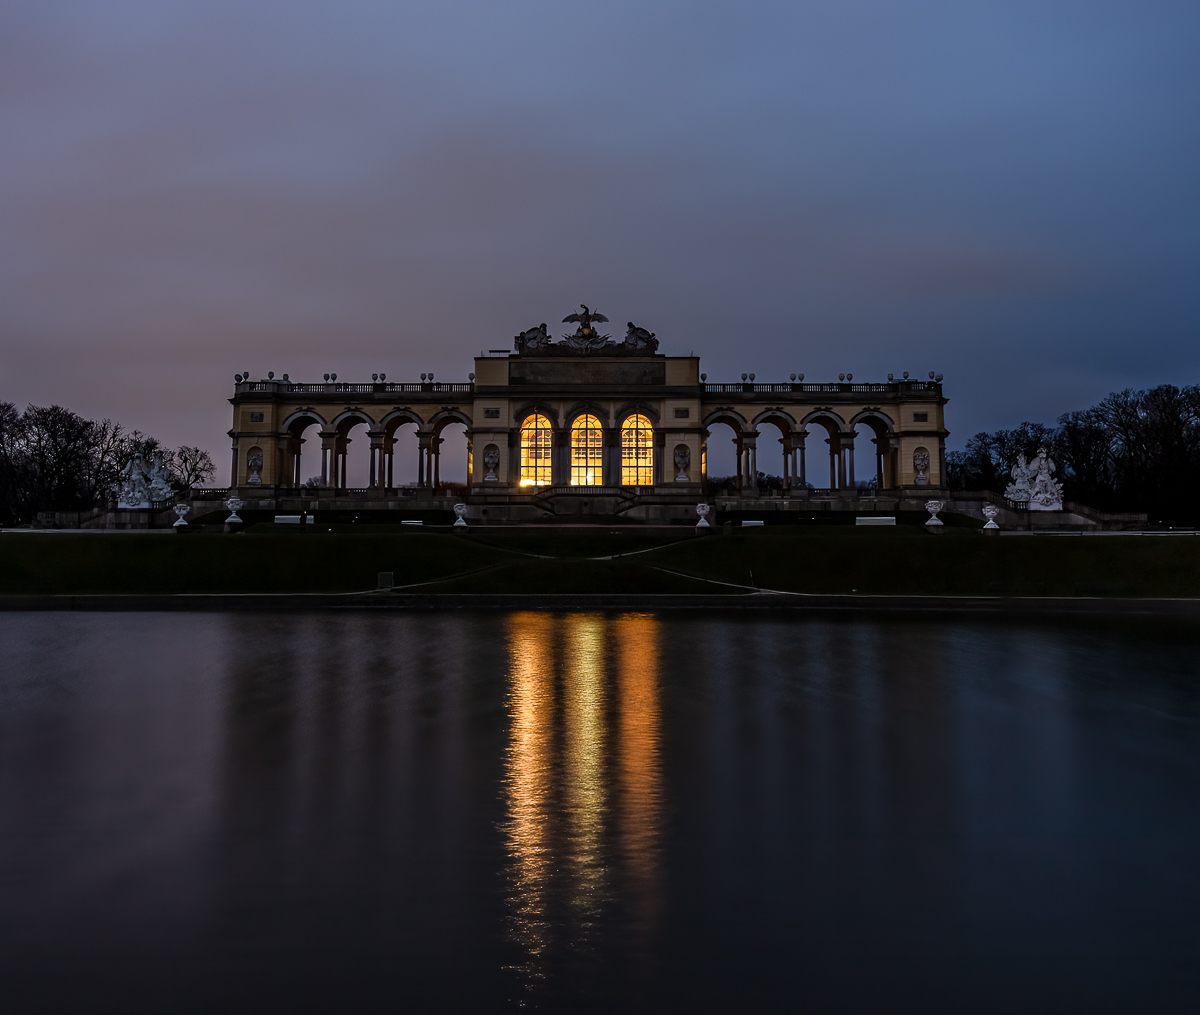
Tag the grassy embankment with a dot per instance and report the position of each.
(817, 559)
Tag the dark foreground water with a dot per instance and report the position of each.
(267, 813)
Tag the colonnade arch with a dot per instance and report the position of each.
(295, 463)
(836, 440)
(886, 448)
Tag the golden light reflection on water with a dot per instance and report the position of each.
(583, 780)
(639, 766)
(586, 788)
(530, 779)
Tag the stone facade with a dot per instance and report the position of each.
(556, 430)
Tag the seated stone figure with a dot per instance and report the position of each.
(640, 338)
(534, 338)
(1018, 490)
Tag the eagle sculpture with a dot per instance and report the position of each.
(586, 331)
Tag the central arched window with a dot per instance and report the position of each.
(535, 451)
(637, 452)
(587, 452)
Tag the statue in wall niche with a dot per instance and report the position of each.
(534, 338)
(491, 461)
(134, 491)
(921, 467)
(254, 462)
(1046, 493)
(1018, 490)
(683, 458)
(640, 338)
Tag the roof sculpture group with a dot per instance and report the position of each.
(585, 338)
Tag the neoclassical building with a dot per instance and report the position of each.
(587, 426)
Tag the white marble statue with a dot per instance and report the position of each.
(134, 489)
(921, 467)
(159, 486)
(933, 507)
(1018, 489)
(1045, 493)
(683, 458)
(254, 463)
(144, 482)
(702, 510)
(491, 459)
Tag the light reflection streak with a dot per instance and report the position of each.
(583, 783)
(529, 775)
(586, 789)
(639, 765)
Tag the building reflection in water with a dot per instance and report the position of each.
(583, 779)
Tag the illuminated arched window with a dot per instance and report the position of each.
(587, 452)
(535, 451)
(637, 452)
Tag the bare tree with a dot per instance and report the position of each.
(191, 466)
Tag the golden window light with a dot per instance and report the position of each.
(587, 452)
(535, 451)
(637, 451)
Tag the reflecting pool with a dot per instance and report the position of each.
(539, 812)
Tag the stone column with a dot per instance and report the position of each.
(612, 456)
(328, 459)
(660, 454)
(560, 457)
(514, 457)
(435, 452)
(849, 445)
(233, 472)
(750, 441)
(787, 462)
(841, 462)
(424, 476)
(798, 447)
(377, 469)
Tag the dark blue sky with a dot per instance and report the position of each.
(1003, 192)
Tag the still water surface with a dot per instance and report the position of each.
(534, 812)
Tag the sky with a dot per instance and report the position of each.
(1006, 193)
